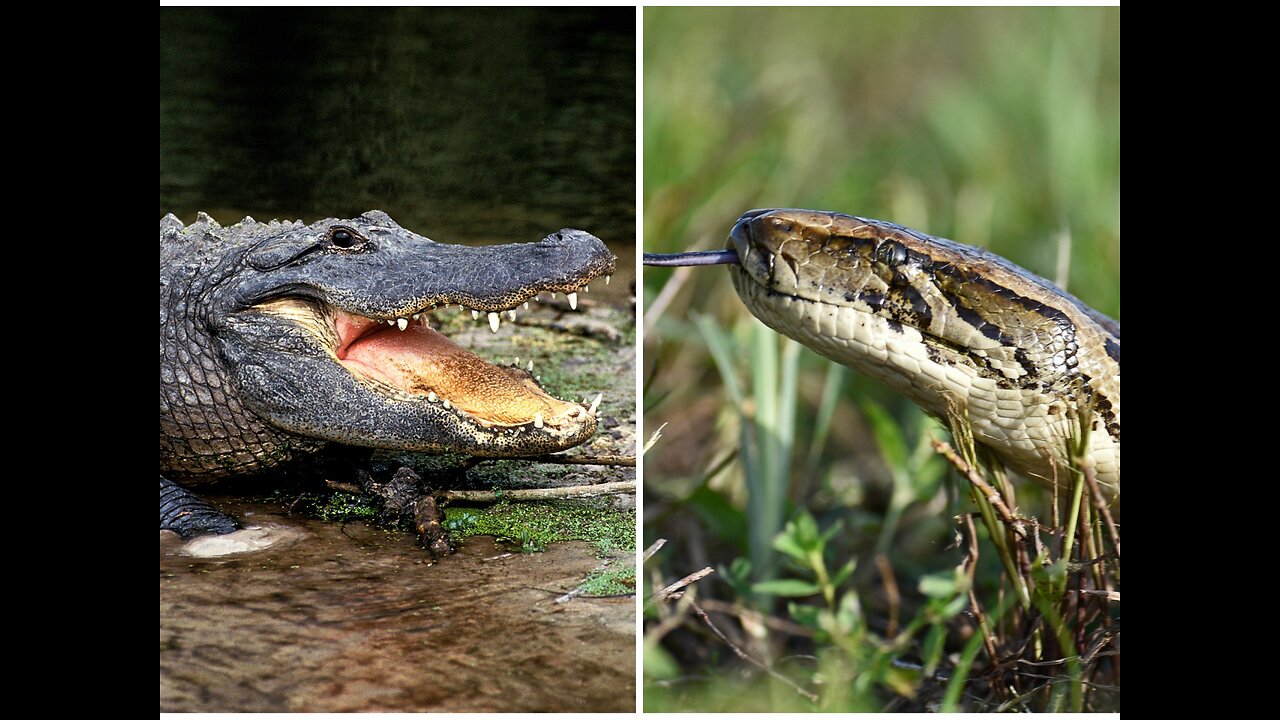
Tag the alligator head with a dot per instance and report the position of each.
(282, 333)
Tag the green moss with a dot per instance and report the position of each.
(617, 581)
(341, 506)
(531, 526)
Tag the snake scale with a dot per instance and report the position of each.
(943, 323)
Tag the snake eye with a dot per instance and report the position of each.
(891, 253)
(343, 238)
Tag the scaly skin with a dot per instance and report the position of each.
(947, 325)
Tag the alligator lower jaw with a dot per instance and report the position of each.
(408, 360)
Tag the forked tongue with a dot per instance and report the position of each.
(696, 257)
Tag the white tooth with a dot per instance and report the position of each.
(526, 304)
(447, 405)
(530, 366)
(493, 321)
(553, 295)
(573, 300)
(607, 278)
(595, 404)
(431, 395)
(475, 314)
(417, 315)
(511, 314)
(402, 323)
(517, 362)
(586, 288)
(537, 421)
(391, 322)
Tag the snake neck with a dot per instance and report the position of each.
(948, 325)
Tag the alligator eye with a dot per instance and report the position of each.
(891, 253)
(343, 238)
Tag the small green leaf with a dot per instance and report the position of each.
(787, 544)
(786, 588)
(938, 585)
(934, 642)
(888, 432)
(740, 569)
(957, 604)
(902, 680)
(832, 531)
(849, 612)
(843, 573)
(805, 531)
(806, 615)
(738, 575)
(658, 665)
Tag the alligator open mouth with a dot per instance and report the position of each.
(415, 359)
(407, 359)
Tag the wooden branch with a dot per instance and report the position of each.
(702, 614)
(667, 591)
(554, 493)
(1100, 503)
(775, 623)
(615, 460)
(993, 495)
(655, 547)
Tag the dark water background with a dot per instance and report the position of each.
(465, 125)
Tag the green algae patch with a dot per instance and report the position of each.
(342, 506)
(618, 581)
(532, 526)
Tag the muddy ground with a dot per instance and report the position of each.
(348, 617)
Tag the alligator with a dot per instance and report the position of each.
(281, 341)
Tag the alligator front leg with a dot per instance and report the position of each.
(184, 513)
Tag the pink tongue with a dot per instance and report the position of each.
(406, 358)
(419, 360)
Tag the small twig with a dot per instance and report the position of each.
(655, 547)
(294, 504)
(1104, 638)
(653, 439)
(555, 493)
(971, 562)
(570, 595)
(497, 557)
(740, 653)
(614, 460)
(1095, 494)
(769, 621)
(344, 487)
(667, 591)
(993, 496)
(891, 594)
(1076, 566)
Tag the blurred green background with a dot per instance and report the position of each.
(997, 127)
